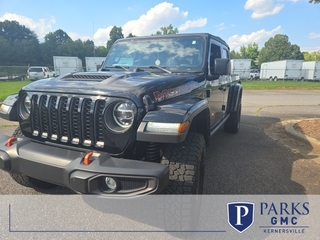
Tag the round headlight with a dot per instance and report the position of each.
(25, 107)
(119, 116)
(27, 104)
(123, 114)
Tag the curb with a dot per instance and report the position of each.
(300, 136)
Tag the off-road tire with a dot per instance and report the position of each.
(25, 180)
(186, 165)
(232, 125)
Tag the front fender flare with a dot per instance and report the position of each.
(178, 112)
(8, 109)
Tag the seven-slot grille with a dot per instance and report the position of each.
(77, 120)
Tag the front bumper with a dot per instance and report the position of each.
(65, 167)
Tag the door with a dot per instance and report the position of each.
(217, 87)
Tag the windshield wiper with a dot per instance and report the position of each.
(115, 66)
(188, 71)
(161, 68)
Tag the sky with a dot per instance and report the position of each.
(238, 22)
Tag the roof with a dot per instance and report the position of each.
(205, 35)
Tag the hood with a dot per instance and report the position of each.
(132, 85)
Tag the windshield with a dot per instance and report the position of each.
(35, 69)
(176, 53)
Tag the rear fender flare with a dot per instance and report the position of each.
(234, 97)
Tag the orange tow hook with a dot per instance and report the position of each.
(10, 141)
(86, 159)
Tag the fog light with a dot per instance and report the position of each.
(108, 184)
(111, 183)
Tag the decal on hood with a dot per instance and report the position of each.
(170, 92)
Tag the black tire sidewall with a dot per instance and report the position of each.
(186, 165)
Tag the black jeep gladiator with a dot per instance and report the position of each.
(139, 125)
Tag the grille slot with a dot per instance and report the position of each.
(44, 116)
(74, 120)
(53, 116)
(35, 115)
(87, 122)
(99, 121)
(63, 119)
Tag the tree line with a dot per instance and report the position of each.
(275, 49)
(20, 46)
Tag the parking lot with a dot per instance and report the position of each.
(252, 161)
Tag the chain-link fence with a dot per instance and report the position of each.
(15, 72)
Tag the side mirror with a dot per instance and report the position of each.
(222, 66)
(218, 67)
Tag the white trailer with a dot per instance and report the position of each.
(284, 69)
(241, 67)
(93, 64)
(63, 65)
(311, 70)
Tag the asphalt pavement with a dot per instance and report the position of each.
(251, 161)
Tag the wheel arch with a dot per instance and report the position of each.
(195, 111)
(201, 124)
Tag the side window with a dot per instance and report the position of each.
(225, 53)
(215, 52)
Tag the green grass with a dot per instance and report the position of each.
(10, 87)
(280, 85)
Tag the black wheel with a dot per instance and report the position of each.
(275, 79)
(25, 180)
(186, 165)
(232, 125)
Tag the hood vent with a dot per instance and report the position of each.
(86, 77)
